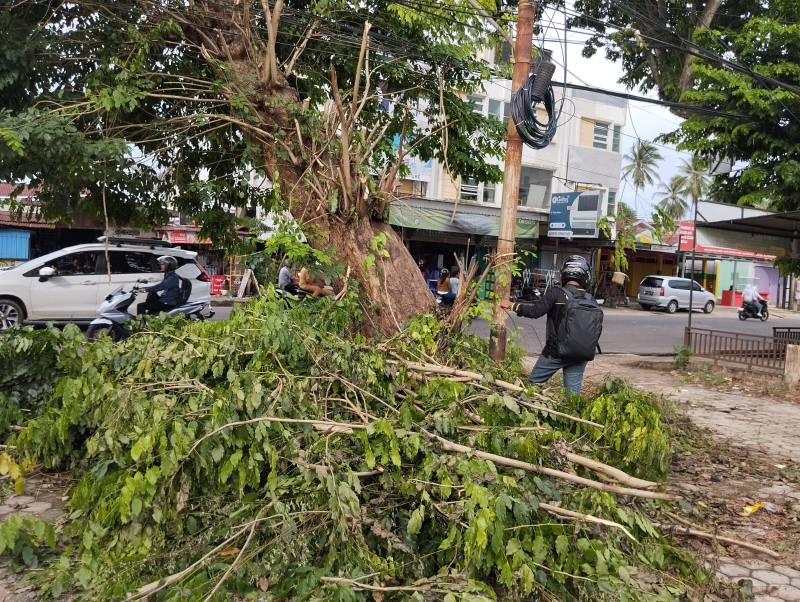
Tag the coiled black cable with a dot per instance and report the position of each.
(535, 90)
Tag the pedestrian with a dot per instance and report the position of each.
(574, 324)
(308, 285)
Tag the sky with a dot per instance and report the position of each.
(644, 121)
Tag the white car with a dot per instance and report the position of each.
(80, 282)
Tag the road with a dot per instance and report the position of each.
(639, 332)
(633, 330)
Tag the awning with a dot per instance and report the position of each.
(24, 222)
(774, 224)
(463, 223)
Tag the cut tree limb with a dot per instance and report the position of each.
(551, 472)
(706, 535)
(587, 517)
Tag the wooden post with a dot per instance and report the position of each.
(513, 165)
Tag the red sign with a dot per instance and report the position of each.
(217, 284)
(178, 237)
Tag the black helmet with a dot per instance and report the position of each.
(576, 268)
(169, 262)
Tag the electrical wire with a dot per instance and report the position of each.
(533, 132)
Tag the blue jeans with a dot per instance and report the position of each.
(547, 366)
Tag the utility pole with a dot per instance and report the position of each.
(523, 46)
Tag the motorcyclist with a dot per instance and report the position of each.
(751, 298)
(170, 288)
(286, 280)
(575, 275)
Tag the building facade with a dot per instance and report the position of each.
(439, 214)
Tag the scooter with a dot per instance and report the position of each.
(113, 314)
(748, 311)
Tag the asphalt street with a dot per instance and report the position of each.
(633, 330)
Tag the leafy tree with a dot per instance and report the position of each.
(673, 201)
(656, 41)
(766, 137)
(128, 108)
(642, 167)
(625, 211)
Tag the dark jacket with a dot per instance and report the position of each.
(171, 285)
(551, 304)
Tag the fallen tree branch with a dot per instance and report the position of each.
(706, 535)
(533, 406)
(307, 466)
(609, 471)
(375, 588)
(551, 472)
(587, 517)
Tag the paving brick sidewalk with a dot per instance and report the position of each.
(766, 425)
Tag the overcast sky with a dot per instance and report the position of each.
(644, 121)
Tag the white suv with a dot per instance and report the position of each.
(81, 280)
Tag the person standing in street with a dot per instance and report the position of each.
(574, 325)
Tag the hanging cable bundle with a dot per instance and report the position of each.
(536, 90)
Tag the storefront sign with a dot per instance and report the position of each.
(217, 284)
(178, 237)
(576, 214)
(733, 244)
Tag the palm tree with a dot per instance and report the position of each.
(643, 166)
(694, 178)
(672, 198)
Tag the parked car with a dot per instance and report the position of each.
(81, 282)
(671, 294)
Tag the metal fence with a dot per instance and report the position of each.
(793, 334)
(753, 351)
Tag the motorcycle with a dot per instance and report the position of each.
(113, 314)
(748, 311)
(520, 291)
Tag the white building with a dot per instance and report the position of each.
(585, 153)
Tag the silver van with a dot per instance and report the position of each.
(672, 294)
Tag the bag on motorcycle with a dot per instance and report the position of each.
(580, 327)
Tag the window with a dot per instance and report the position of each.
(469, 190)
(488, 192)
(130, 262)
(588, 202)
(696, 287)
(600, 135)
(74, 264)
(679, 285)
(499, 109)
(612, 203)
(615, 139)
(476, 102)
(534, 187)
(651, 282)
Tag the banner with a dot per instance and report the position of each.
(463, 223)
(575, 214)
(733, 244)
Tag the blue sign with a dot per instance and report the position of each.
(576, 214)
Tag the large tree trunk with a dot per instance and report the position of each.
(314, 171)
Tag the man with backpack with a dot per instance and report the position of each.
(574, 324)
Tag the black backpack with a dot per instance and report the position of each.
(186, 290)
(580, 327)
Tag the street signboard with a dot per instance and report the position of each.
(576, 214)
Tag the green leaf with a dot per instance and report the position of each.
(217, 453)
(415, 522)
(513, 546)
(562, 545)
